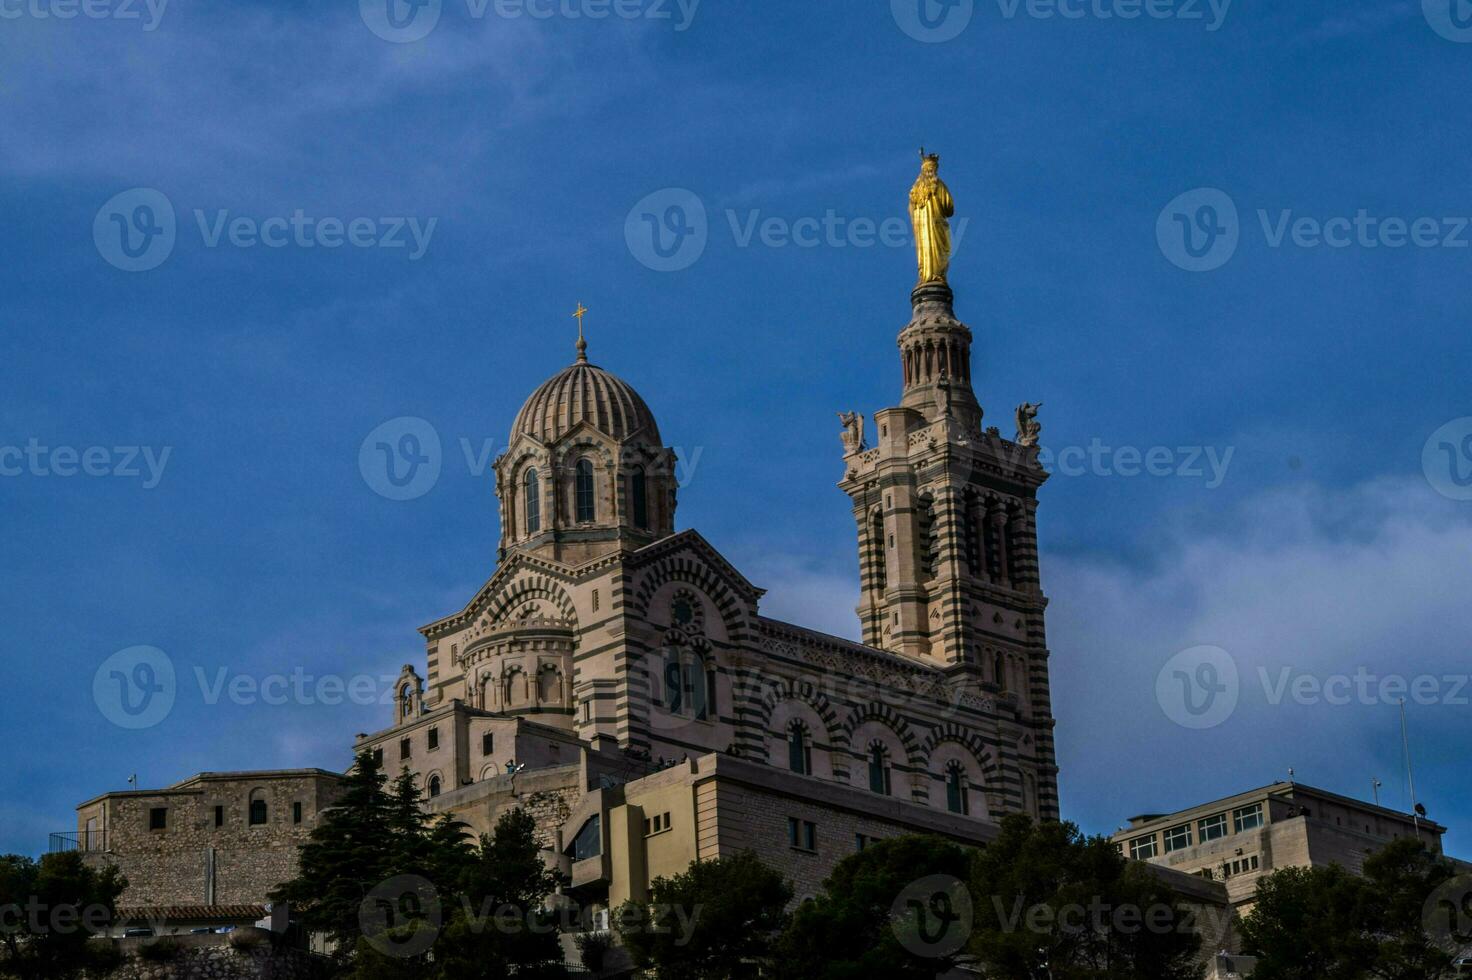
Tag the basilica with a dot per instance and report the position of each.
(606, 625)
(616, 676)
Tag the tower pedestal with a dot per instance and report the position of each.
(935, 353)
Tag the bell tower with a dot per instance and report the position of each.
(945, 511)
(946, 515)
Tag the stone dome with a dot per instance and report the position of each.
(585, 392)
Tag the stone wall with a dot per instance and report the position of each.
(193, 861)
(549, 795)
(216, 958)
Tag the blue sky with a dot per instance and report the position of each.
(1328, 549)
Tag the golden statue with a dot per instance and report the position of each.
(930, 208)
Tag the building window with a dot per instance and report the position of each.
(588, 711)
(583, 492)
(656, 824)
(862, 841)
(956, 794)
(928, 539)
(878, 770)
(257, 808)
(434, 786)
(971, 530)
(158, 818)
(404, 748)
(488, 743)
(802, 834)
(689, 687)
(219, 816)
(999, 670)
(1143, 848)
(638, 498)
(533, 502)
(799, 749)
(434, 739)
(378, 758)
(1212, 828)
(1178, 838)
(876, 550)
(588, 843)
(296, 813)
(547, 685)
(1247, 818)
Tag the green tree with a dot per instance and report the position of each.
(1388, 924)
(405, 894)
(862, 924)
(378, 868)
(49, 910)
(1051, 904)
(718, 920)
(345, 858)
(435, 848)
(500, 926)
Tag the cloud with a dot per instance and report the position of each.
(238, 100)
(1371, 19)
(1303, 583)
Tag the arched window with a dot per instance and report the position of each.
(697, 687)
(799, 749)
(972, 519)
(533, 502)
(583, 492)
(878, 770)
(638, 498)
(434, 786)
(956, 794)
(999, 671)
(547, 685)
(878, 554)
(673, 687)
(689, 687)
(929, 538)
(258, 814)
(516, 687)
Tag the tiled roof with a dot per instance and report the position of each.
(192, 913)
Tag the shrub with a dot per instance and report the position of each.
(593, 947)
(161, 950)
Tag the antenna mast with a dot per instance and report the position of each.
(1405, 741)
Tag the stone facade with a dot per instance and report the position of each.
(610, 657)
(217, 958)
(213, 839)
(614, 669)
(604, 622)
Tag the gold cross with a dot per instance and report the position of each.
(581, 312)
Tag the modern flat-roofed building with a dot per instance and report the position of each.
(1239, 839)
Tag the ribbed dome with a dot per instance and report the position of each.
(584, 392)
